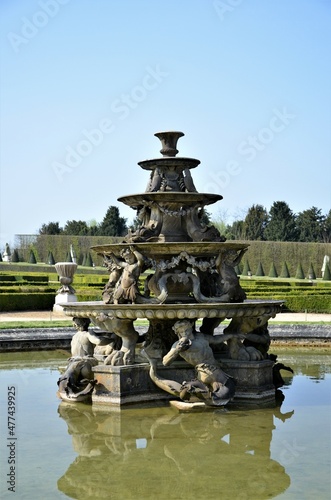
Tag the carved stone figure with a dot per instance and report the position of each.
(212, 385)
(248, 351)
(114, 277)
(127, 290)
(77, 382)
(6, 256)
(199, 231)
(225, 264)
(83, 342)
(124, 329)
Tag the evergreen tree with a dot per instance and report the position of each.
(235, 231)
(310, 224)
(113, 224)
(260, 270)
(281, 225)
(68, 257)
(76, 228)
(327, 273)
(273, 271)
(255, 223)
(1, 257)
(327, 228)
(50, 228)
(300, 275)
(285, 273)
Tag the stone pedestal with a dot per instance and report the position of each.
(62, 299)
(126, 385)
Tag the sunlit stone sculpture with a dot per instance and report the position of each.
(189, 272)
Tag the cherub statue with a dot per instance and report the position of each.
(83, 342)
(127, 290)
(77, 381)
(114, 276)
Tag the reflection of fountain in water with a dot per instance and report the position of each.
(133, 454)
(191, 276)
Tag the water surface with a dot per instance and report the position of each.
(73, 451)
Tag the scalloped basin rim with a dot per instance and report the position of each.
(177, 197)
(175, 161)
(174, 311)
(158, 248)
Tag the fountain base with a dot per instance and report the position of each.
(118, 386)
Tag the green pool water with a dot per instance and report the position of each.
(73, 451)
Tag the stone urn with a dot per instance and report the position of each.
(66, 292)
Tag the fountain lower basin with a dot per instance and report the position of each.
(193, 311)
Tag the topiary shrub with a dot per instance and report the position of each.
(89, 262)
(260, 270)
(15, 256)
(68, 257)
(285, 273)
(50, 260)
(84, 260)
(80, 259)
(327, 273)
(246, 268)
(273, 271)
(299, 275)
(238, 269)
(311, 272)
(32, 258)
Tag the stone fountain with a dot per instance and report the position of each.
(190, 288)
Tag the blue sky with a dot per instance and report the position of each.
(85, 85)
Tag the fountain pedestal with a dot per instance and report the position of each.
(127, 385)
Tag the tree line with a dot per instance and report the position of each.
(279, 224)
(112, 225)
(259, 224)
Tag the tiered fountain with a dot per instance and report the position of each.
(191, 280)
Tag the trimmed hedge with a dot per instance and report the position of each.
(309, 303)
(27, 301)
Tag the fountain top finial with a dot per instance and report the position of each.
(169, 142)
